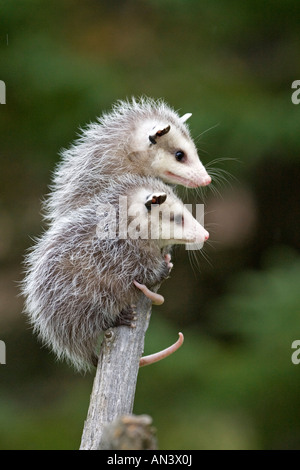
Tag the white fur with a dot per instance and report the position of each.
(119, 143)
(76, 284)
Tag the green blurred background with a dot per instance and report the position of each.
(231, 63)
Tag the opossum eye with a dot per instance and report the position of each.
(180, 156)
(155, 198)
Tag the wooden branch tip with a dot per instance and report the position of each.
(116, 376)
(147, 360)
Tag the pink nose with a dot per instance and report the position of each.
(206, 181)
(206, 236)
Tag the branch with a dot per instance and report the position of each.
(115, 381)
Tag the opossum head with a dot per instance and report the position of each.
(169, 152)
(163, 217)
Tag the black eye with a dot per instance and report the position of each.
(180, 156)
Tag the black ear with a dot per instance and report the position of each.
(155, 198)
(158, 133)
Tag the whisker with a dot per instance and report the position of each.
(201, 150)
(220, 177)
(205, 131)
(210, 212)
(221, 172)
(211, 243)
(195, 257)
(221, 160)
(210, 229)
(201, 192)
(221, 180)
(215, 191)
(193, 263)
(206, 257)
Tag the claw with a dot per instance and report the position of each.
(126, 317)
(167, 258)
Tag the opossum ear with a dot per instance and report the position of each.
(158, 133)
(185, 117)
(155, 198)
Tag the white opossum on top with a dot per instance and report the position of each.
(144, 137)
(85, 272)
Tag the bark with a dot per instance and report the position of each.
(115, 380)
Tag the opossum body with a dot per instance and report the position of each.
(144, 137)
(80, 283)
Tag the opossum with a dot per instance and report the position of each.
(85, 272)
(144, 137)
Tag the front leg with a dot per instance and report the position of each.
(166, 267)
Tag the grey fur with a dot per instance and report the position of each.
(106, 149)
(76, 285)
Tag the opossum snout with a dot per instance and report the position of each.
(197, 235)
(202, 235)
(202, 179)
(191, 180)
(197, 174)
(205, 181)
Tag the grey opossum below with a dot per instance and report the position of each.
(144, 137)
(82, 279)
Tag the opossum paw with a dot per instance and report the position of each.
(157, 299)
(167, 258)
(166, 268)
(127, 317)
